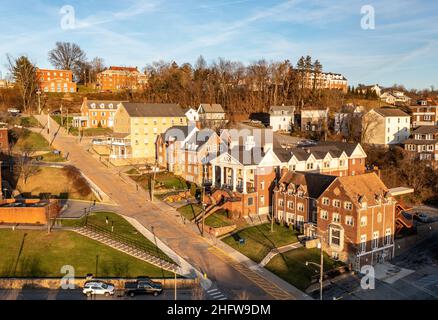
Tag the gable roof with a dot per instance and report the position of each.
(199, 139)
(365, 186)
(139, 110)
(212, 108)
(288, 109)
(389, 112)
(314, 183)
(179, 133)
(426, 130)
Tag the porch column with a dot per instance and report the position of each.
(213, 175)
(245, 189)
(234, 179)
(222, 176)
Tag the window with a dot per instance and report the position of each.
(349, 221)
(335, 255)
(376, 239)
(250, 201)
(335, 238)
(290, 204)
(262, 185)
(363, 221)
(262, 200)
(336, 203)
(379, 217)
(336, 217)
(348, 205)
(363, 243)
(300, 207)
(324, 215)
(280, 203)
(310, 166)
(388, 236)
(326, 201)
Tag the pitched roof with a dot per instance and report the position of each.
(138, 110)
(366, 187)
(389, 112)
(212, 108)
(314, 183)
(200, 138)
(179, 133)
(426, 130)
(289, 109)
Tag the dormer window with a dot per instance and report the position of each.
(93, 106)
(111, 106)
(102, 106)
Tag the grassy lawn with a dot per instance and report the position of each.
(291, 266)
(218, 220)
(121, 227)
(190, 211)
(75, 131)
(31, 139)
(259, 240)
(163, 181)
(56, 182)
(51, 157)
(29, 122)
(44, 255)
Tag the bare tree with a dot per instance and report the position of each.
(370, 123)
(24, 164)
(24, 74)
(68, 56)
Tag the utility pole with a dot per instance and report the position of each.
(153, 182)
(203, 210)
(48, 121)
(39, 101)
(321, 271)
(176, 295)
(67, 121)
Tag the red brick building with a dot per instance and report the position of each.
(121, 78)
(4, 140)
(353, 216)
(56, 81)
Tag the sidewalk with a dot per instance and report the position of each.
(277, 251)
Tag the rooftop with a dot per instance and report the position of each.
(391, 112)
(140, 110)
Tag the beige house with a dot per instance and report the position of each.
(385, 126)
(136, 128)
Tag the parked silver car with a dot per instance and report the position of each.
(98, 288)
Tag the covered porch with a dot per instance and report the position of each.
(236, 178)
(120, 146)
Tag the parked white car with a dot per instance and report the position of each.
(98, 288)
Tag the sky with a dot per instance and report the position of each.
(401, 47)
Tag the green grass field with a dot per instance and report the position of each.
(38, 254)
(92, 132)
(218, 220)
(291, 266)
(163, 181)
(259, 240)
(190, 211)
(31, 139)
(121, 227)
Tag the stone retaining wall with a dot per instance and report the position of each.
(55, 283)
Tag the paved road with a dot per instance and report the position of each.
(157, 217)
(42, 294)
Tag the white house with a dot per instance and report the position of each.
(395, 97)
(192, 115)
(386, 126)
(372, 88)
(282, 118)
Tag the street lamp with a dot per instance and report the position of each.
(321, 269)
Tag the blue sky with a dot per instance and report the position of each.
(403, 47)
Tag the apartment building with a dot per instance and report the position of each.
(314, 120)
(137, 127)
(356, 220)
(121, 78)
(59, 81)
(330, 158)
(211, 115)
(424, 113)
(423, 145)
(96, 114)
(386, 126)
(282, 118)
(326, 80)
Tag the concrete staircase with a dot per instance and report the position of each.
(128, 249)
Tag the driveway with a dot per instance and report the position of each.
(161, 219)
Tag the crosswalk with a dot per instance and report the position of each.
(215, 294)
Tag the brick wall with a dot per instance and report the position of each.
(28, 214)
